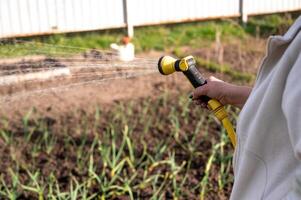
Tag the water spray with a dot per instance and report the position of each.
(49, 68)
(168, 65)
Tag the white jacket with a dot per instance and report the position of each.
(267, 160)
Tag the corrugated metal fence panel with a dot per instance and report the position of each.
(158, 11)
(253, 7)
(30, 17)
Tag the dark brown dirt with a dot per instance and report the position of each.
(60, 102)
(53, 98)
(19, 98)
(77, 130)
(69, 114)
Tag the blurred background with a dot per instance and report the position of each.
(84, 113)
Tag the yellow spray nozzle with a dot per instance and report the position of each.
(168, 65)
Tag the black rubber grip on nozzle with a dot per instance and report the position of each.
(196, 79)
(194, 76)
(177, 65)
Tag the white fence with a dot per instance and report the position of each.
(37, 17)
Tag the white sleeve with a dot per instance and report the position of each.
(291, 106)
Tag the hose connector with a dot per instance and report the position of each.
(218, 109)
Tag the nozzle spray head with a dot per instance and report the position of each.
(168, 65)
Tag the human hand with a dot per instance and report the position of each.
(224, 92)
